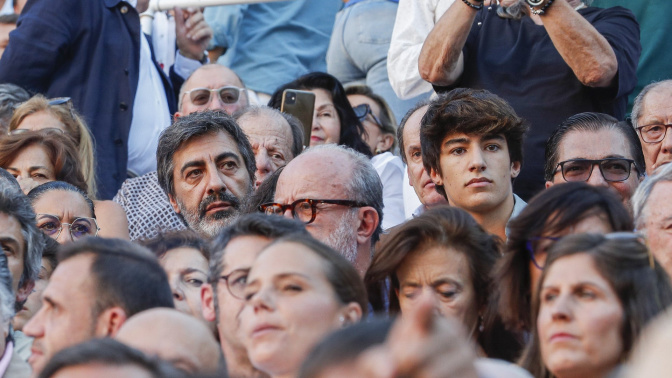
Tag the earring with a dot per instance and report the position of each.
(378, 151)
(342, 320)
(481, 327)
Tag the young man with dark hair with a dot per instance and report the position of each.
(472, 148)
(97, 285)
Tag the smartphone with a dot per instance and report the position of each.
(301, 105)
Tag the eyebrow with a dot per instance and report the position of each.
(325, 105)
(9, 240)
(283, 276)
(201, 162)
(191, 270)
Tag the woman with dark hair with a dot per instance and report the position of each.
(569, 208)
(445, 254)
(334, 121)
(595, 295)
(38, 157)
(185, 258)
(298, 291)
(64, 212)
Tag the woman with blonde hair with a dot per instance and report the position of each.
(58, 113)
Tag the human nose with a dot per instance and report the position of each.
(666, 146)
(215, 181)
(263, 163)
(428, 294)
(263, 300)
(64, 235)
(596, 177)
(561, 308)
(477, 161)
(34, 327)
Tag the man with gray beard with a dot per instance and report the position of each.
(205, 164)
(337, 193)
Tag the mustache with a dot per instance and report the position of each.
(221, 196)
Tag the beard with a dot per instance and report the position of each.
(210, 225)
(344, 238)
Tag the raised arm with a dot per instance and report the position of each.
(441, 61)
(581, 46)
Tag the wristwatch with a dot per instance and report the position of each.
(535, 3)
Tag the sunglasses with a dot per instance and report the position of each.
(202, 96)
(363, 110)
(612, 169)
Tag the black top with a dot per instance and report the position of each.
(517, 60)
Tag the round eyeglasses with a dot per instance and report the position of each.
(535, 248)
(612, 169)
(305, 210)
(202, 96)
(80, 227)
(236, 282)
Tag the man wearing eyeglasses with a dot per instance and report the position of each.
(597, 149)
(337, 193)
(212, 87)
(652, 118)
(233, 252)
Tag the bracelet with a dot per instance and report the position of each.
(542, 10)
(477, 7)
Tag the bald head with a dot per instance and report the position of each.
(211, 76)
(178, 338)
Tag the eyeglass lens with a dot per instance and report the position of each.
(228, 95)
(611, 169)
(302, 211)
(653, 133)
(80, 227)
(236, 282)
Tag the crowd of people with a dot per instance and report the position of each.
(172, 221)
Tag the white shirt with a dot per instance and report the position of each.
(150, 115)
(390, 168)
(7, 7)
(415, 19)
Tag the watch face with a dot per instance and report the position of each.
(535, 3)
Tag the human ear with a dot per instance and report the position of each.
(549, 184)
(385, 142)
(435, 176)
(24, 291)
(515, 169)
(173, 203)
(109, 322)
(208, 303)
(350, 314)
(368, 223)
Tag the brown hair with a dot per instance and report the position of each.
(447, 227)
(471, 112)
(75, 127)
(386, 117)
(553, 210)
(624, 261)
(59, 148)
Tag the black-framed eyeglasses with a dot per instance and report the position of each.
(228, 94)
(235, 282)
(363, 110)
(653, 133)
(305, 210)
(612, 169)
(532, 248)
(80, 227)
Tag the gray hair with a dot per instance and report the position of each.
(6, 293)
(519, 9)
(10, 97)
(638, 104)
(195, 125)
(641, 197)
(15, 204)
(364, 184)
(295, 126)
